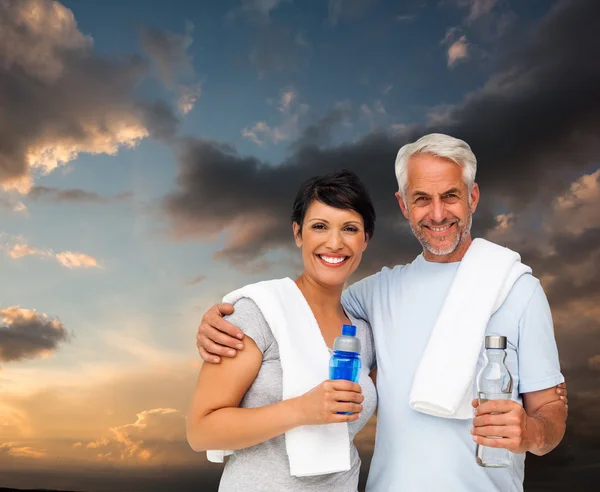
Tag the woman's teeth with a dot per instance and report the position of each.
(331, 260)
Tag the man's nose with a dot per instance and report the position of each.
(438, 211)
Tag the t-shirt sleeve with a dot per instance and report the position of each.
(539, 366)
(358, 298)
(248, 317)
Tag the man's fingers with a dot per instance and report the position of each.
(495, 431)
(211, 359)
(225, 308)
(475, 403)
(223, 339)
(505, 443)
(226, 327)
(216, 349)
(496, 406)
(496, 419)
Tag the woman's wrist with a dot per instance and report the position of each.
(293, 409)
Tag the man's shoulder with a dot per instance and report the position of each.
(384, 275)
(523, 290)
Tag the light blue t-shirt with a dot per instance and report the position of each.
(415, 452)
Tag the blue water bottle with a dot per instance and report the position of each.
(345, 362)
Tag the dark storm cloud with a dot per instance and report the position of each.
(60, 98)
(74, 195)
(25, 334)
(535, 118)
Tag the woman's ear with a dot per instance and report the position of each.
(297, 234)
(366, 241)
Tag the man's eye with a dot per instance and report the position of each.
(421, 199)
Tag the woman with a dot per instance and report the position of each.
(238, 404)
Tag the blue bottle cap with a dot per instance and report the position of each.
(349, 330)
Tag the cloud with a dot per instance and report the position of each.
(71, 259)
(14, 449)
(256, 10)
(347, 9)
(21, 250)
(252, 206)
(458, 48)
(74, 195)
(261, 132)
(145, 439)
(169, 54)
(25, 334)
(16, 249)
(477, 8)
(195, 280)
(60, 98)
(594, 362)
(406, 17)
(458, 51)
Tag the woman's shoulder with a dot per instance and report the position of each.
(248, 317)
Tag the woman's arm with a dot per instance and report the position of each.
(215, 422)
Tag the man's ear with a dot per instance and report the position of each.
(474, 196)
(297, 234)
(402, 204)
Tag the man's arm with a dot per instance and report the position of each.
(548, 416)
(357, 298)
(538, 426)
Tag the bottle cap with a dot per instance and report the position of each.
(495, 342)
(347, 341)
(349, 330)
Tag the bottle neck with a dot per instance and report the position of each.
(495, 355)
(343, 353)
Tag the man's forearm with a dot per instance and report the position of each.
(548, 426)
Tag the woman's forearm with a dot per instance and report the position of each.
(238, 428)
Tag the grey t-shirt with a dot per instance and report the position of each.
(265, 466)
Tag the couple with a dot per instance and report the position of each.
(242, 404)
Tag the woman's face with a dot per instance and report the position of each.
(332, 243)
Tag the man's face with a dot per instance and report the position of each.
(439, 207)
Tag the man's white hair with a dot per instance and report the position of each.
(439, 145)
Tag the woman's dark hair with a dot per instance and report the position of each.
(342, 189)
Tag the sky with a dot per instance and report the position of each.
(149, 157)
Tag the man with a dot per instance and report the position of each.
(416, 452)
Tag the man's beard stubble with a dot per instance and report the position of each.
(462, 233)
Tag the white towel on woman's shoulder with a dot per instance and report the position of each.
(311, 449)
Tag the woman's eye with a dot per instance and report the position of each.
(318, 226)
(351, 229)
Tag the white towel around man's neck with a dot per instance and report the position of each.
(312, 449)
(443, 382)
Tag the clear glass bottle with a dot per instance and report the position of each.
(494, 382)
